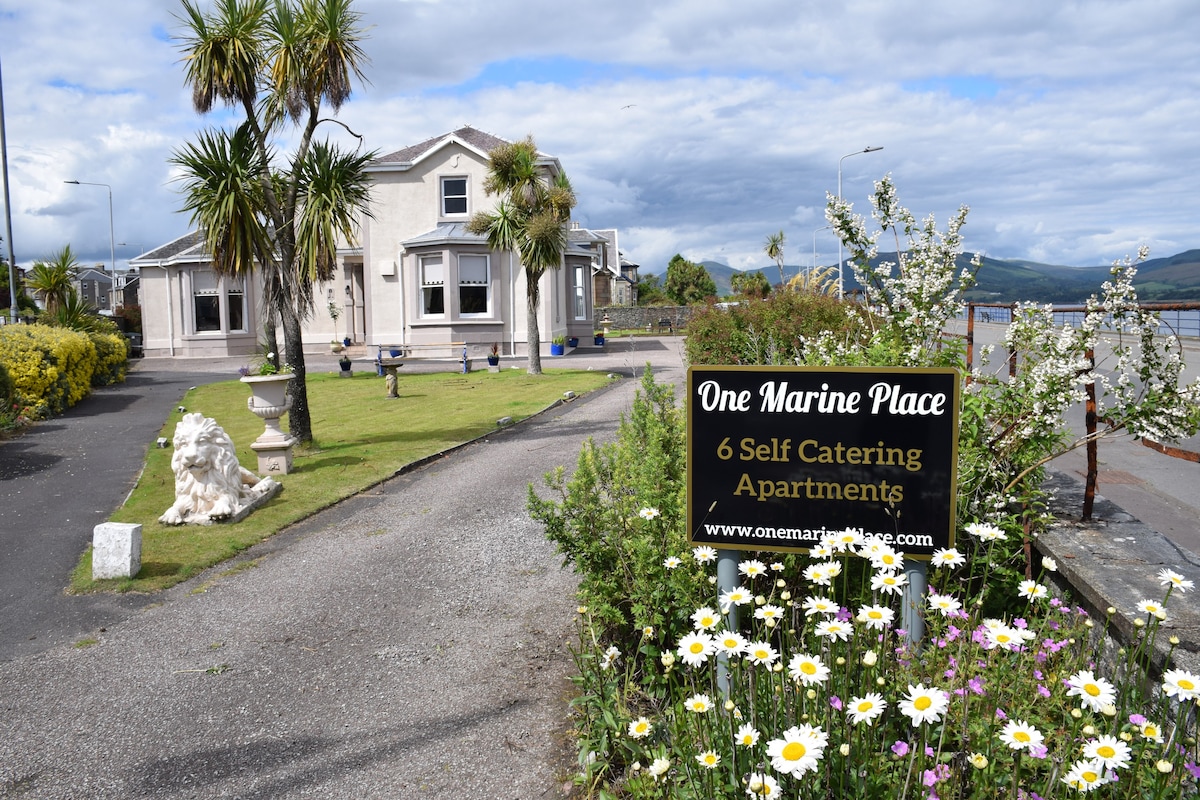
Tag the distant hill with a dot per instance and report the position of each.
(1173, 278)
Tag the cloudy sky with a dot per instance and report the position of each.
(693, 126)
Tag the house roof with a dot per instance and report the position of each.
(189, 247)
(471, 138)
(467, 136)
(445, 233)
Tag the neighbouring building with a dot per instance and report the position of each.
(415, 276)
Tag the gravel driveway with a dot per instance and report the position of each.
(409, 643)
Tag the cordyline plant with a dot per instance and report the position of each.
(798, 683)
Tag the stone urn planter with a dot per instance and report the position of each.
(269, 401)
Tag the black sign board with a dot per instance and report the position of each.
(779, 456)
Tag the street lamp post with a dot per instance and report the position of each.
(112, 243)
(818, 230)
(841, 287)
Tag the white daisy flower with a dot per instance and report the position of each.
(762, 786)
(1093, 693)
(866, 708)
(747, 736)
(1169, 577)
(1020, 735)
(924, 704)
(799, 751)
(1181, 684)
(819, 605)
(985, 532)
(760, 653)
(1031, 590)
(1085, 776)
(1109, 751)
(752, 568)
(947, 557)
(731, 642)
(640, 728)
(695, 648)
(704, 554)
(698, 704)
(875, 617)
(834, 629)
(807, 669)
(705, 619)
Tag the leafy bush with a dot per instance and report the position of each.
(51, 367)
(112, 358)
(771, 330)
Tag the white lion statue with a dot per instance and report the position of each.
(210, 485)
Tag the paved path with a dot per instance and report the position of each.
(407, 643)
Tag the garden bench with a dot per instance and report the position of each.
(386, 363)
(665, 324)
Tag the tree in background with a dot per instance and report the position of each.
(650, 291)
(23, 300)
(774, 250)
(750, 284)
(688, 282)
(280, 64)
(530, 220)
(53, 281)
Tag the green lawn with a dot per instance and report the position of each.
(361, 438)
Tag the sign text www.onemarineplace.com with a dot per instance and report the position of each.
(778, 457)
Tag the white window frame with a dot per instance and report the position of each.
(579, 276)
(486, 283)
(429, 285)
(443, 196)
(202, 288)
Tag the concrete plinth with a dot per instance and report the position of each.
(273, 459)
(116, 550)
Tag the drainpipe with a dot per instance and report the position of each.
(512, 305)
(170, 314)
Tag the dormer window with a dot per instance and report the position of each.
(454, 197)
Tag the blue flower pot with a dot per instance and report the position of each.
(557, 349)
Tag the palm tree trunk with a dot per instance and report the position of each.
(299, 418)
(533, 279)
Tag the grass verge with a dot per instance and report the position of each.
(361, 437)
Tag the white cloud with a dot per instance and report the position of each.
(695, 127)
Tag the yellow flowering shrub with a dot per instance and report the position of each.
(112, 356)
(51, 367)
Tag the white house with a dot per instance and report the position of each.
(416, 276)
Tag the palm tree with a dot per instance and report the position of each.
(774, 250)
(281, 64)
(530, 220)
(53, 280)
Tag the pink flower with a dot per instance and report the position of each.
(836, 702)
(1137, 719)
(1043, 691)
(900, 748)
(1000, 714)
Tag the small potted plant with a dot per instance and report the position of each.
(558, 346)
(572, 341)
(345, 363)
(493, 357)
(334, 313)
(599, 338)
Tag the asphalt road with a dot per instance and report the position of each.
(61, 478)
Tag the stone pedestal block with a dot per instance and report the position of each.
(116, 550)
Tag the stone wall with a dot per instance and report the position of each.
(638, 317)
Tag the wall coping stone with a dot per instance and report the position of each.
(1114, 561)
